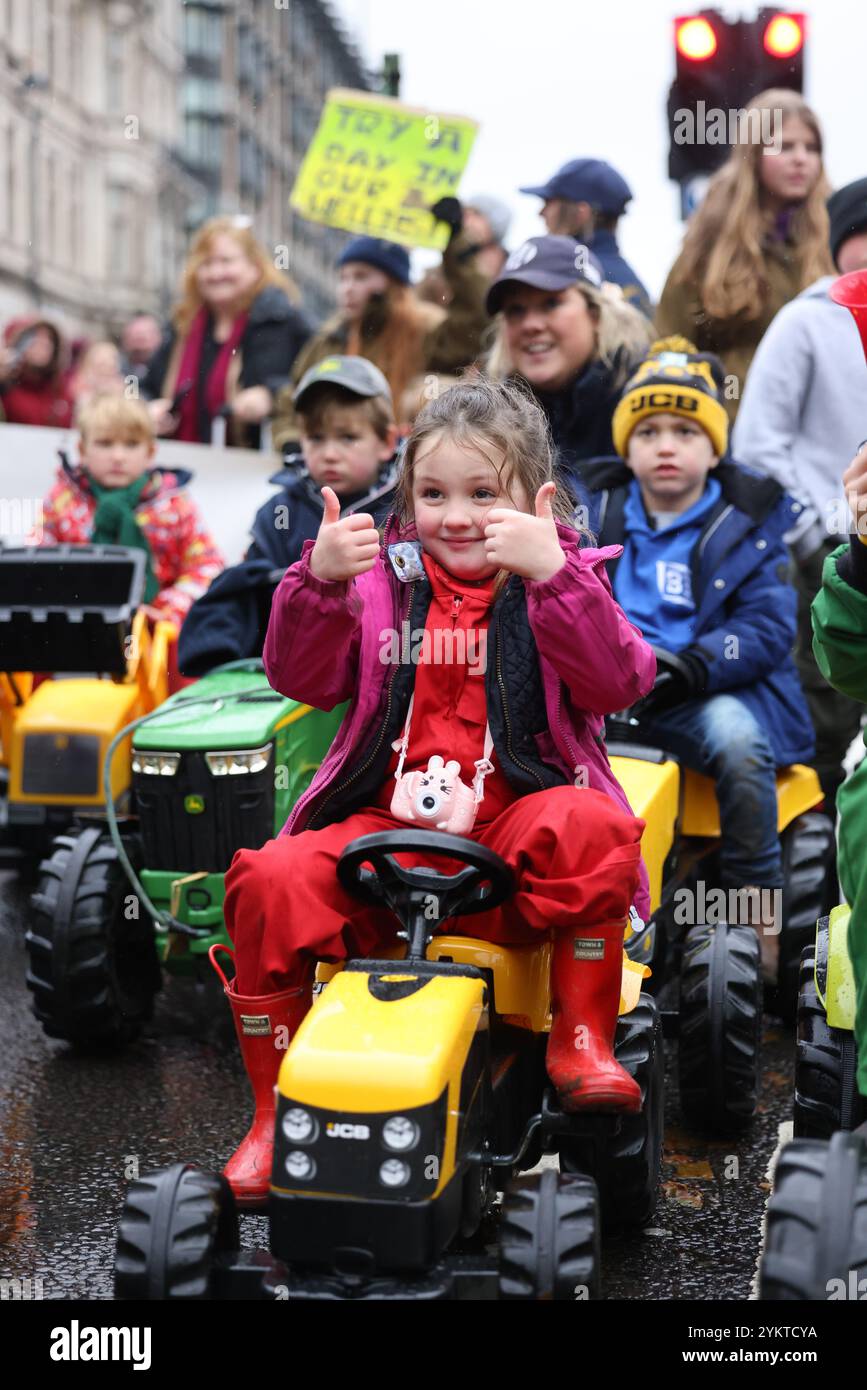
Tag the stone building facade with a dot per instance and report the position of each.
(124, 123)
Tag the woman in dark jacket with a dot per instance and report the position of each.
(234, 337)
(572, 338)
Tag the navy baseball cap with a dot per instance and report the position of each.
(587, 181)
(546, 263)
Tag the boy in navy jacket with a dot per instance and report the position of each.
(348, 438)
(704, 575)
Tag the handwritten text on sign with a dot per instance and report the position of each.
(375, 167)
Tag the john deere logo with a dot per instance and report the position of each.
(194, 805)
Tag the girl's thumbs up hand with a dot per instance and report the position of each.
(526, 545)
(345, 547)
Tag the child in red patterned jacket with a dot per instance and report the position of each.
(114, 497)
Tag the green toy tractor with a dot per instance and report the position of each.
(216, 769)
(816, 1229)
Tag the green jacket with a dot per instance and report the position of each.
(840, 621)
(840, 644)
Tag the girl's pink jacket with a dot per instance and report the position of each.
(324, 643)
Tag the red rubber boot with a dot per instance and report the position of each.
(257, 1019)
(586, 972)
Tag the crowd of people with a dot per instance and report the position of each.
(504, 418)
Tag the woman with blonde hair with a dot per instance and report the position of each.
(571, 338)
(759, 237)
(234, 336)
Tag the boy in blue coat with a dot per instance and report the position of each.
(704, 575)
(348, 437)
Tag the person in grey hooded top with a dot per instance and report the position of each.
(803, 413)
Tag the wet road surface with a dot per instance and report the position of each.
(74, 1128)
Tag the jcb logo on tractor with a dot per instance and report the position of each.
(346, 1131)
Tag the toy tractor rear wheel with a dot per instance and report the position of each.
(549, 1238)
(816, 1229)
(626, 1165)
(807, 847)
(826, 1091)
(720, 1027)
(93, 969)
(174, 1225)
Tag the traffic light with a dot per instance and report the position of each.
(720, 65)
(780, 60)
(706, 57)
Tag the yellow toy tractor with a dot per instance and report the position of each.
(67, 610)
(706, 972)
(414, 1089)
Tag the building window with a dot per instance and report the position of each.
(50, 208)
(204, 142)
(203, 96)
(118, 232)
(114, 70)
(203, 32)
(74, 216)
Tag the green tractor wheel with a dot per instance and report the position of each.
(826, 1091)
(93, 967)
(808, 850)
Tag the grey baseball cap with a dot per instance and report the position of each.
(354, 374)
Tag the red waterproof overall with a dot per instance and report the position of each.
(574, 852)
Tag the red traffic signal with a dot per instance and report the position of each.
(695, 38)
(784, 35)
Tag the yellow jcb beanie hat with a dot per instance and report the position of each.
(677, 379)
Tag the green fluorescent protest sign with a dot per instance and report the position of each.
(375, 167)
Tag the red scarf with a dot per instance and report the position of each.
(215, 386)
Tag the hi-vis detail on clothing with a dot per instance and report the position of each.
(674, 582)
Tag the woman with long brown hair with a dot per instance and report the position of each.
(234, 336)
(759, 237)
(380, 317)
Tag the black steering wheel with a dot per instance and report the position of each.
(484, 882)
(668, 663)
(671, 671)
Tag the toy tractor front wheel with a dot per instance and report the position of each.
(816, 1233)
(720, 1027)
(174, 1225)
(549, 1238)
(826, 1090)
(93, 965)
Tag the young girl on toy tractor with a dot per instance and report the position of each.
(480, 646)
